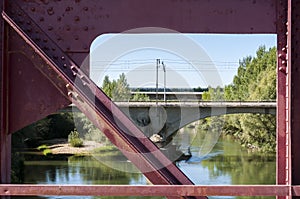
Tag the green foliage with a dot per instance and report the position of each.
(215, 94)
(17, 168)
(108, 148)
(256, 78)
(255, 81)
(117, 90)
(42, 147)
(47, 152)
(88, 130)
(52, 126)
(140, 97)
(45, 149)
(74, 139)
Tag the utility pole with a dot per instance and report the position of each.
(157, 66)
(164, 68)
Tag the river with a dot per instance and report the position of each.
(216, 160)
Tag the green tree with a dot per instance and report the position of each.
(117, 90)
(140, 97)
(213, 94)
(255, 81)
(121, 92)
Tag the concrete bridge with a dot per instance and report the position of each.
(166, 118)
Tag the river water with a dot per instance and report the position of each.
(216, 160)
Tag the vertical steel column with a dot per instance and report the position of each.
(294, 88)
(282, 170)
(5, 137)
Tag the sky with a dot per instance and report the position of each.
(189, 60)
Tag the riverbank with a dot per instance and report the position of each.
(61, 146)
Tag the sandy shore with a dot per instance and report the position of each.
(61, 146)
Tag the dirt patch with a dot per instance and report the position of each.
(61, 146)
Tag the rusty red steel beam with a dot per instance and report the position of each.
(95, 104)
(282, 170)
(73, 25)
(146, 190)
(294, 89)
(5, 137)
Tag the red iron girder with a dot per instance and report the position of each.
(73, 25)
(27, 85)
(5, 138)
(294, 88)
(146, 190)
(95, 104)
(282, 148)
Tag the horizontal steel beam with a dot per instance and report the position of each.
(146, 190)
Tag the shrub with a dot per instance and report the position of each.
(74, 139)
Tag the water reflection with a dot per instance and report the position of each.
(227, 163)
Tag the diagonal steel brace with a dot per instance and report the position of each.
(91, 100)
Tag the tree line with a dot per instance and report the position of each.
(255, 81)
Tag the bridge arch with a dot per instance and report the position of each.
(170, 117)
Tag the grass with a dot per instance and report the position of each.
(45, 149)
(104, 149)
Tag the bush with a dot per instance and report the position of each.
(74, 139)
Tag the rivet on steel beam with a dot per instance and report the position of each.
(45, 40)
(28, 22)
(68, 9)
(50, 28)
(287, 23)
(282, 56)
(76, 37)
(284, 49)
(65, 65)
(70, 94)
(50, 11)
(85, 8)
(42, 19)
(32, 9)
(85, 28)
(283, 62)
(68, 86)
(59, 18)
(84, 80)
(63, 58)
(76, 18)
(68, 28)
(79, 98)
(282, 69)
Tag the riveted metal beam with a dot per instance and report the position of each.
(294, 87)
(5, 138)
(282, 167)
(144, 190)
(75, 85)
